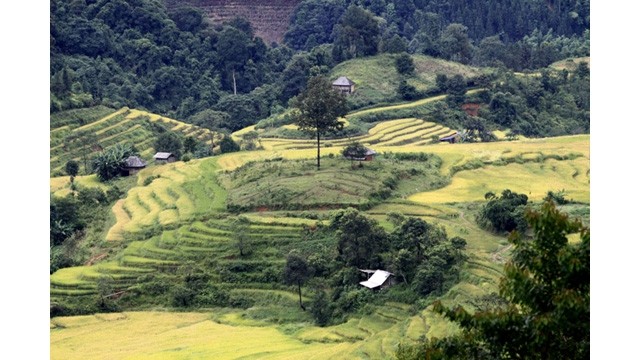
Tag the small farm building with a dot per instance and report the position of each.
(132, 165)
(377, 279)
(344, 85)
(368, 156)
(164, 157)
(452, 138)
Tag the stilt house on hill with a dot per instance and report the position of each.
(344, 85)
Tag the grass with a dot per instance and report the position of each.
(180, 218)
(377, 80)
(110, 127)
(297, 184)
(158, 335)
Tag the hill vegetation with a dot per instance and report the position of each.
(246, 246)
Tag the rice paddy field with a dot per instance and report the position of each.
(182, 217)
(78, 134)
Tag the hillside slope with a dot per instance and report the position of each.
(269, 19)
(78, 134)
(377, 79)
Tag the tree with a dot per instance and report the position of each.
(240, 231)
(227, 144)
(404, 64)
(296, 271)
(190, 144)
(318, 108)
(354, 151)
(169, 141)
(71, 167)
(455, 43)
(357, 34)
(233, 51)
(456, 89)
(504, 213)
(547, 286)
(361, 240)
(109, 162)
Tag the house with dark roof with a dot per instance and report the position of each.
(344, 85)
(164, 157)
(132, 165)
(452, 138)
(368, 156)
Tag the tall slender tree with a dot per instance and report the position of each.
(318, 109)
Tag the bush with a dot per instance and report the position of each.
(505, 213)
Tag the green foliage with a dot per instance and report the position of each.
(504, 213)
(109, 162)
(407, 91)
(296, 271)
(170, 142)
(547, 286)
(405, 64)
(318, 108)
(357, 34)
(72, 167)
(227, 145)
(64, 218)
(361, 240)
(321, 308)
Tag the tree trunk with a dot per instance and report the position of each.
(318, 136)
(300, 296)
(233, 74)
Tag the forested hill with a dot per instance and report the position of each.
(172, 61)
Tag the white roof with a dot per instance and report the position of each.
(162, 155)
(378, 278)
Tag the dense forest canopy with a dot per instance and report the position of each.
(136, 53)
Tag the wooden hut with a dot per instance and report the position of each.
(344, 85)
(452, 138)
(164, 157)
(132, 165)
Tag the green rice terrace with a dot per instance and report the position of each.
(78, 134)
(228, 223)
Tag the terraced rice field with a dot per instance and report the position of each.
(108, 127)
(389, 133)
(180, 217)
(181, 193)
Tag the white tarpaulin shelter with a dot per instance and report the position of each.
(377, 279)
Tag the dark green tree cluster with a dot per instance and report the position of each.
(71, 217)
(555, 103)
(108, 163)
(547, 289)
(422, 257)
(504, 212)
(517, 34)
(135, 53)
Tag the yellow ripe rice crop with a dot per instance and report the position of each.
(116, 232)
(157, 335)
(103, 120)
(531, 179)
(60, 185)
